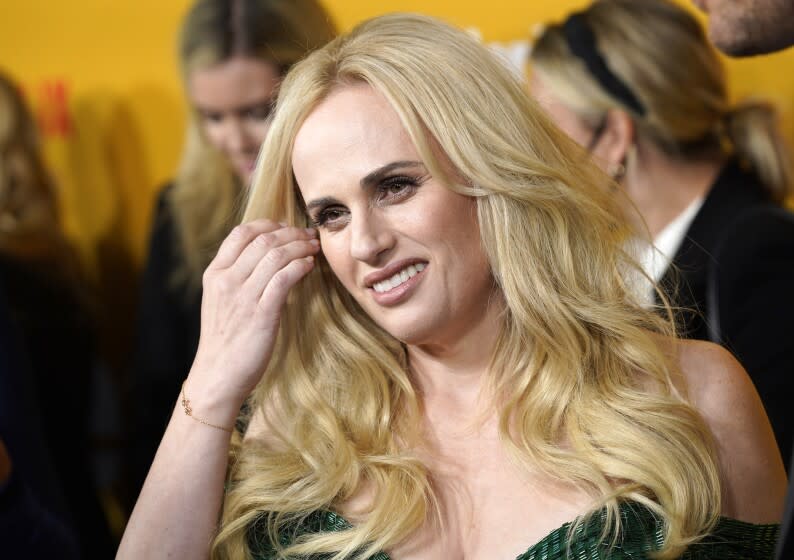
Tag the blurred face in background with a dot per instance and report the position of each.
(233, 100)
(572, 124)
(748, 27)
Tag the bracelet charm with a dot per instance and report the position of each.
(189, 412)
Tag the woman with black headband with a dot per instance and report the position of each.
(637, 83)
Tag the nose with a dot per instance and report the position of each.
(371, 237)
(234, 136)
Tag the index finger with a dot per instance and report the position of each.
(238, 239)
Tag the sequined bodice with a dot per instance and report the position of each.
(641, 533)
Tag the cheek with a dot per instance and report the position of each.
(337, 256)
(456, 225)
(565, 119)
(214, 134)
(571, 125)
(257, 132)
(472, 259)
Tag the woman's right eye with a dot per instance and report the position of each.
(332, 217)
(260, 112)
(212, 117)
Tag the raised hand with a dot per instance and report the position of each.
(245, 288)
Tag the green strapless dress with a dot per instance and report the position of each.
(641, 534)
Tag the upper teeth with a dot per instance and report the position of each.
(399, 278)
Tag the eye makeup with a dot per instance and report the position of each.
(258, 111)
(331, 214)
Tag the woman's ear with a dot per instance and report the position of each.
(615, 142)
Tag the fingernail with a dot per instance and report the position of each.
(283, 224)
(311, 231)
(310, 259)
(315, 242)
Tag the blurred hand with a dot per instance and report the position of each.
(245, 288)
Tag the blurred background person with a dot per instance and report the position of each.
(49, 314)
(34, 520)
(27, 528)
(739, 29)
(233, 54)
(750, 27)
(637, 83)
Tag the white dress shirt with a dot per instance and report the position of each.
(655, 258)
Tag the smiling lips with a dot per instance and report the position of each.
(398, 278)
(396, 282)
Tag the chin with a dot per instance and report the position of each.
(411, 329)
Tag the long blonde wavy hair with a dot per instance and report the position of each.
(206, 194)
(577, 359)
(661, 52)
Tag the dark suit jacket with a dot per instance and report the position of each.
(734, 278)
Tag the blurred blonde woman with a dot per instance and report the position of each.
(233, 54)
(638, 84)
(441, 356)
(52, 326)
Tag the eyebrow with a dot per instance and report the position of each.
(369, 180)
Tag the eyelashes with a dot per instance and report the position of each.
(324, 216)
(258, 112)
(390, 190)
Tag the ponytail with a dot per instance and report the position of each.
(755, 133)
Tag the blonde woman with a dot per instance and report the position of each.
(426, 309)
(638, 84)
(233, 55)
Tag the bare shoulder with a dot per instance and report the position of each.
(753, 477)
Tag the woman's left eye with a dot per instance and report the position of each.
(396, 188)
(259, 112)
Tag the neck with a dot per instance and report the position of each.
(661, 186)
(450, 373)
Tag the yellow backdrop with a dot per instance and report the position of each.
(101, 75)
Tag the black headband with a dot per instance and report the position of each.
(581, 40)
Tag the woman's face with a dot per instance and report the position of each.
(234, 99)
(406, 247)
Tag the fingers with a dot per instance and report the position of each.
(275, 294)
(271, 247)
(238, 239)
(245, 289)
(254, 253)
(276, 259)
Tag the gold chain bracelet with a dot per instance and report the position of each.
(189, 412)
